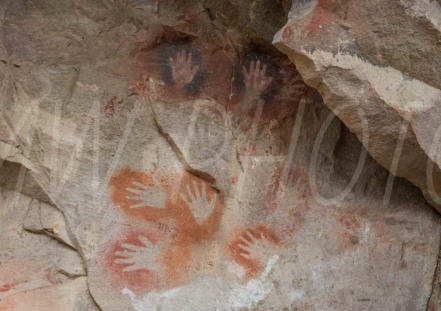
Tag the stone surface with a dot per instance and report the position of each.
(172, 159)
(71, 295)
(30, 261)
(44, 218)
(376, 64)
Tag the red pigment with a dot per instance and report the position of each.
(251, 266)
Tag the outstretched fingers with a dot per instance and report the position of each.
(251, 236)
(245, 73)
(257, 69)
(189, 56)
(204, 192)
(256, 76)
(124, 253)
(124, 260)
(252, 69)
(263, 71)
(142, 204)
(190, 193)
(135, 191)
(213, 200)
(145, 241)
(130, 246)
(132, 268)
(196, 190)
(257, 73)
(184, 198)
(245, 241)
(245, 248)
(138, 184)
(133, 197)
(180, 57)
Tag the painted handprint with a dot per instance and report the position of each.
(252, 100)
(256, 81)
(149, 196)
(183, 71)
(138, 257)
(198, 203)
(258, 249)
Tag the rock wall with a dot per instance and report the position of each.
(376, 64)
(167, 155)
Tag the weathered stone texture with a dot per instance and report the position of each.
(376, 64)
(164, 155)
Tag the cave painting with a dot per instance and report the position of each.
(199, 247)
(147, 195)
(221, 296)
(195, 210)
(253, 248)
(267, 83)
(255, 83)
(187, 201)
(136, 257)
(172, 71)
(198, 203)
(179, 242)
(180, 69)
(185, 198)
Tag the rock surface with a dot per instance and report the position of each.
(70, 296)
(376, 65)
(159, 155)
(30, 261)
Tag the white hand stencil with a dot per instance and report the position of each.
(198, 203)
(149, 196)
(138, 257)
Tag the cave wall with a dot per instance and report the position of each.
(195, 155)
